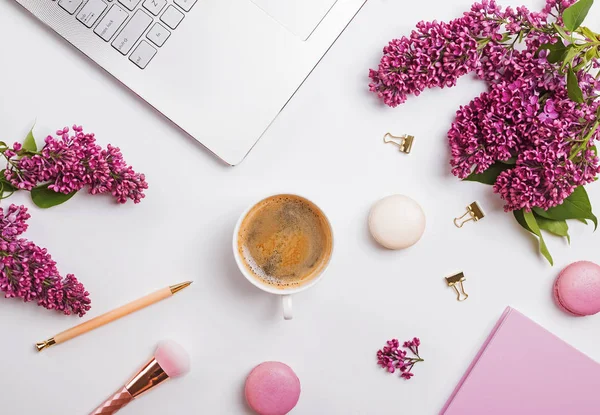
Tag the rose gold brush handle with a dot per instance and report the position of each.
(114, 403)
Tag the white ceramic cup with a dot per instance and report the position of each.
(285, 293)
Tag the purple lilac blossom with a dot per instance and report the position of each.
(436, 54)
(28, 271)
(71, 162)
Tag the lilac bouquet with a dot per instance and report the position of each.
(532, 134)
(52, 175)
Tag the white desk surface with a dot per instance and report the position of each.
(327, 145)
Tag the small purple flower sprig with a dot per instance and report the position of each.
(29, 273)
(65, 165)
(392, 357)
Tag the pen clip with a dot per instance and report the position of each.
(474, 213)
(457, 280)
(404, 142)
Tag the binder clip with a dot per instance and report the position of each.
(453, 281)
(474, 213)
(404, 142)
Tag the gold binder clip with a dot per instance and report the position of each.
(453, 281)
(474, 213)
(404, 142)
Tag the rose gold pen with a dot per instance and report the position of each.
(112, 315)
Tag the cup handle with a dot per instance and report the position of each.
(287, 307)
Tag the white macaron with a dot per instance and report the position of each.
(397, 222)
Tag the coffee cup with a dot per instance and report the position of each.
(283, 245)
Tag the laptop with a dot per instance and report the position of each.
(221, 70)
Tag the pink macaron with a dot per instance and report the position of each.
(577, 288)
(272, 388)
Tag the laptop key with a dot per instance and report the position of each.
(111, 22)
(185, 4)
(91, 11)
(132, 31)
(70, 5)
(158, 34)
(143, 54)
(172, 17)
(155, 6)
(130, 4)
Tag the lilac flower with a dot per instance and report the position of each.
(549, 113)
(557, 6)
(544, 177)
(71, 162)
(12, 224)
(489, 128)
(28, 272)
(436, 54)
(391, 357)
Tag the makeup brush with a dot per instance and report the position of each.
(112, 315)
(170, 361)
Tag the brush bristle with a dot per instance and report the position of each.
(173, 358)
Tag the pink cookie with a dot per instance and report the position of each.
(577, 288)
(272, 388)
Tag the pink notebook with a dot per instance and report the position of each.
(522, 369)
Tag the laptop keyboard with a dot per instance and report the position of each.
(122, 23)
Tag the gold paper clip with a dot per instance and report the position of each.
(404, 142)
(474, 213)
(457, 279)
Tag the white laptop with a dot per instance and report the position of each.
(221, 70)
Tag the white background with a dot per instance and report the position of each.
(326, 145)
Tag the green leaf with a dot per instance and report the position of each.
(575, 15)
(535, 229)
(570, 53)
(518, 214)
(561, 31)
(592, 53)
(29, 143)
(576, 206)
(482, 43)
(488, 176)
(573, 89)
(511, 161)
(6, 186)
(579, 66)
(46, 198)
(588, 33)
(556, 51)
(6, 189)
(555, 227)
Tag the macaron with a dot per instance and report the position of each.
(397, 222)
(577, 288)
(272, 388)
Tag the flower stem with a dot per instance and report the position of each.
(585, 141)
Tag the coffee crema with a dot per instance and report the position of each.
(285, 241)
